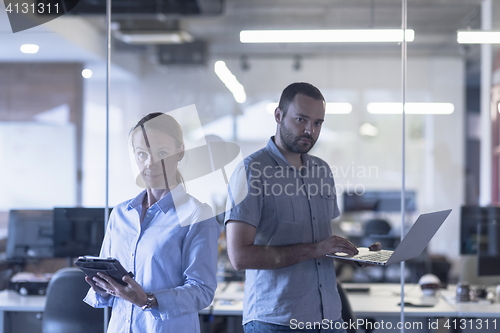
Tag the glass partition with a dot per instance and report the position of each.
(42, 109)
(53, 105)
(442, 78)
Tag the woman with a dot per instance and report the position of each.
(167, 238)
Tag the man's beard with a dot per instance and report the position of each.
(291, 142)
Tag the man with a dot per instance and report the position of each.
(281, 232)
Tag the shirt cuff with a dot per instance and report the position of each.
(97, 301)
(167, 307)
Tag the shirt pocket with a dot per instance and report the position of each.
(284, 210)
(328, 203)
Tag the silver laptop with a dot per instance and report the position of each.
(410, 247)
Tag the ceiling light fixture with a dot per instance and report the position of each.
(338, 108)
(153, 37)
(411, 108)
(29, 48)
(331, 108)
(478, 37)
(326, 36)
(367, 129)
(87, 73)
(230, 81)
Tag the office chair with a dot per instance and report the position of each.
(347, 314)
(377, 227)
(379, 230)
(5, 276)
(65, 310)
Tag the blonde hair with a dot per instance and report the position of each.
(162, 123)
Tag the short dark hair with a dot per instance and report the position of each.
(293, 89)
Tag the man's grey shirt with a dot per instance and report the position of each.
(287, 207)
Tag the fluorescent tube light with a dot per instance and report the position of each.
(326, 36)
(478, 37)
(153, 37)
(411, 108)
(29, 48)
(338, 108)
(331, 108)
(230, 81)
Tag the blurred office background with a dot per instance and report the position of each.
(52, 118)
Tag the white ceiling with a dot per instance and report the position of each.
(435, 22)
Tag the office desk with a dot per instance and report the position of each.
(481, 309)
(11, 301)
(228, 300)
(383, 300)
(380, 302)
(379, 309)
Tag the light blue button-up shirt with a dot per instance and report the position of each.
(173, 254)
(288, 207)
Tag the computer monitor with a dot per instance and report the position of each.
(380, 201)
(488, 256)
(471, 218)
(30, 234)
(78, 231)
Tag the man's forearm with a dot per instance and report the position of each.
(244, 254)
(269, 257)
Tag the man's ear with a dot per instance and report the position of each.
(278, 115)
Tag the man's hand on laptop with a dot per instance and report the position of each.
(374, 247)
(334, 244)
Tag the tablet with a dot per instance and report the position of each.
(109, 266)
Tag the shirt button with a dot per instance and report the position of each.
(320, 285)
(314, 218)
(319, 263)
(132, 254)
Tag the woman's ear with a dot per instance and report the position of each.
(181, 152)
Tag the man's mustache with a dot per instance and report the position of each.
(305, 136)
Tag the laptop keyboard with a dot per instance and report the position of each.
(377, 256)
